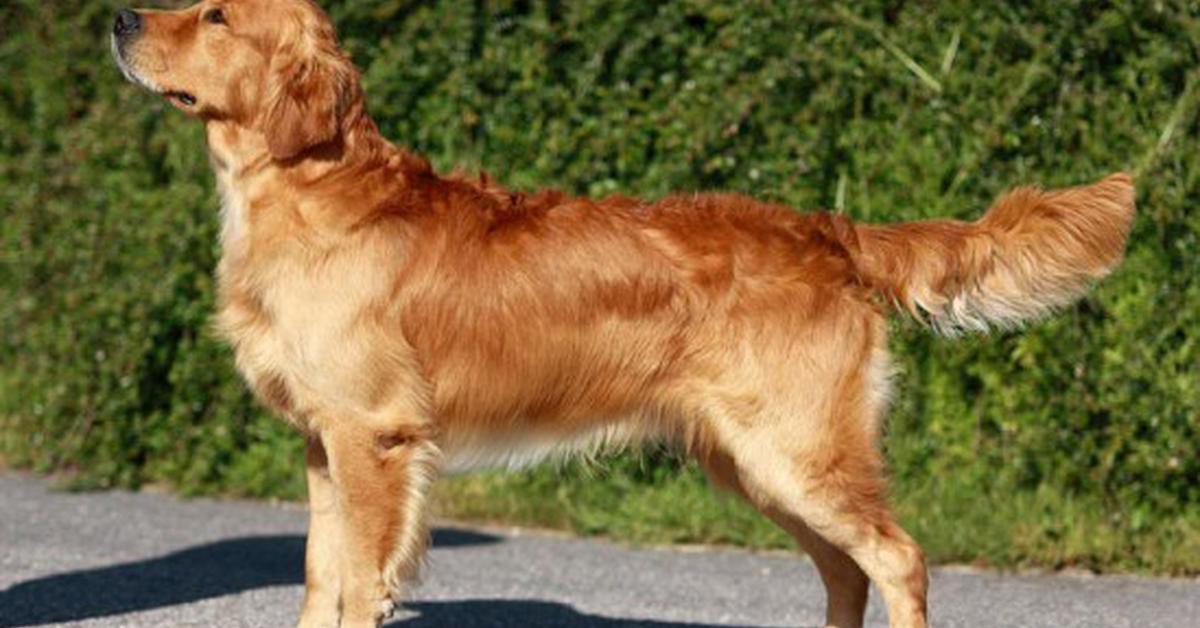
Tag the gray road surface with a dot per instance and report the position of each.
(141, 560)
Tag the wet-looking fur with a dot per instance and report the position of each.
(408, 322)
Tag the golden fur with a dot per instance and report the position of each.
(406, 322)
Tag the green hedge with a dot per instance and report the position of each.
(884, 110)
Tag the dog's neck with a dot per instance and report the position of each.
(250, 179)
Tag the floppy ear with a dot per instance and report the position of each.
(305, 102)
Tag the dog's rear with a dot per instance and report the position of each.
(1032, 252)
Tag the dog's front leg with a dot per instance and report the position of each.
(322, 572)
(381, 478)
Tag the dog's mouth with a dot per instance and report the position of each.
(180, 97)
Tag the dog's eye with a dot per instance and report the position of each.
(214, 16)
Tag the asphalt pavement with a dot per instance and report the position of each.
(116, 558)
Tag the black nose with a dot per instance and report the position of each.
(127, 23)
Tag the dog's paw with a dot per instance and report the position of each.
(326, 621)
(387, 606)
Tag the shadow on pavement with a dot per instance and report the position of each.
(189, 575)
(518, 614)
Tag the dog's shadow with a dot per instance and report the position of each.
(189, 575)
(518, 614)
(236, 565)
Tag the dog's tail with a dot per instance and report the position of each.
(1032, 252)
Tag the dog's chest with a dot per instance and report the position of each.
(296, 342)
(234, 216)
(289, 319)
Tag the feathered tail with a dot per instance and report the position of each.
(1032, 252)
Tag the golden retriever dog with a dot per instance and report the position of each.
(408, 323)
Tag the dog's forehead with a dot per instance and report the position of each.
(308, 9)
(272, 22)
(274, 10)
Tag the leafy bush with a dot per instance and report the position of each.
(886, 111)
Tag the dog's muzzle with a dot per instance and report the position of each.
(126, 27)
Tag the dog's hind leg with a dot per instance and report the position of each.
(381, 479)
(845, 583)
(835, 508)
(794, 428)
(322, 577)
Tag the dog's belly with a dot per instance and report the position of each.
(514, 450)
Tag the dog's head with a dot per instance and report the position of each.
(268, 65)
